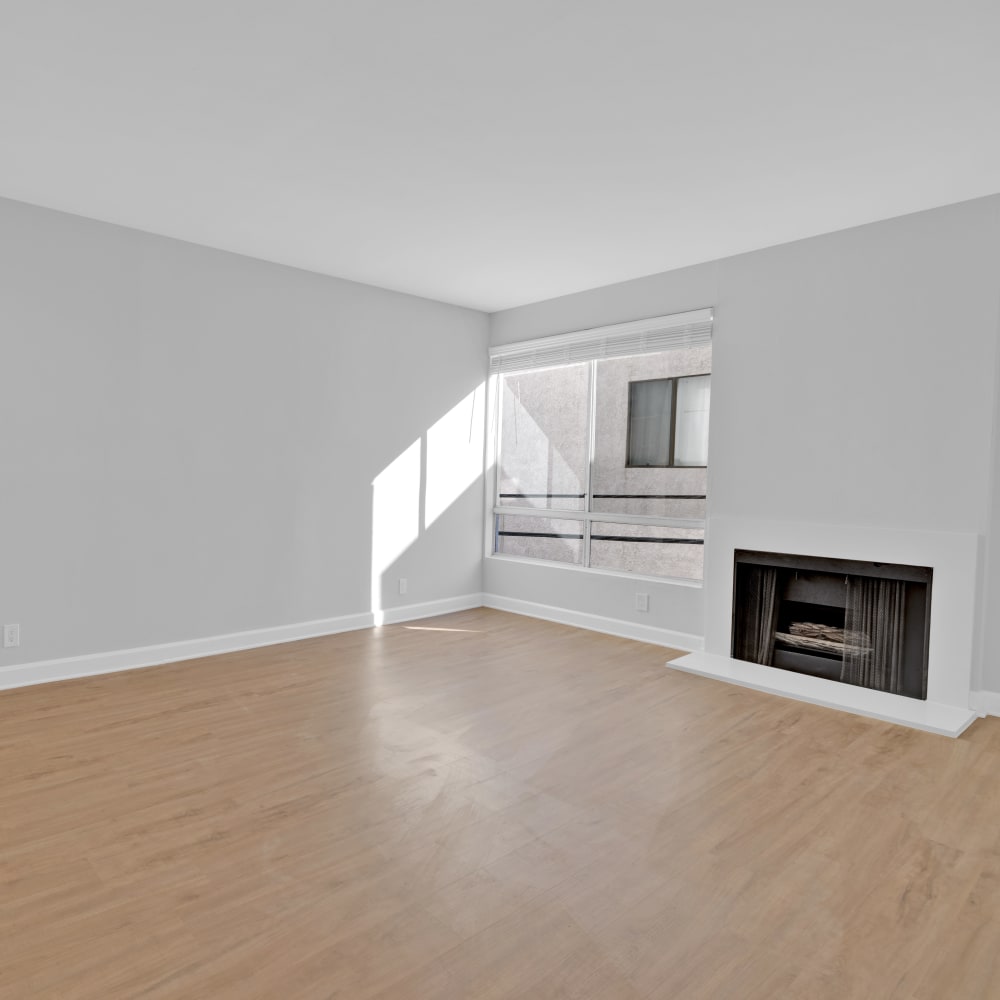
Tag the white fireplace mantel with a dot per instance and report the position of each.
(952, 555)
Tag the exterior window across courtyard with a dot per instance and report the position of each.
(602, 447)
(668, 422)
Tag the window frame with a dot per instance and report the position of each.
(672, 441)
(587, 517)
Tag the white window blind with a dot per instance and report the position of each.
(644, 336)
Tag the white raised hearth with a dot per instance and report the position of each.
(953, 556)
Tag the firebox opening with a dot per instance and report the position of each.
(861, 623)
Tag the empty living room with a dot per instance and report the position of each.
(499, 501)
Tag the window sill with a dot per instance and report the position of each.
(672, 581)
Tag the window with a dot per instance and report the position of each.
(602, 448)
(668, 422)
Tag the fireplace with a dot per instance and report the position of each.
(949, 626)
(861, 623)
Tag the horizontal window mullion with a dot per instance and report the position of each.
(602, 517)
(610, 517)
(552, 513)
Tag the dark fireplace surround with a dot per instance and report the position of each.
(862, 623)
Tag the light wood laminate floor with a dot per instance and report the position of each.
(484, 805)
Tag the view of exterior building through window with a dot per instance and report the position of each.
(604, 463)
(668, 422)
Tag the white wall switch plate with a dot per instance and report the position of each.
(11, 636)
(402, 584)
(642, 602)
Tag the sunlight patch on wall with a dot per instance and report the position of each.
(454, 454)
(395, 515)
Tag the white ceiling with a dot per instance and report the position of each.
(492, 154)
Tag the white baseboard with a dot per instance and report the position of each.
(985, 702)
(598, 623)
(427, 609)
(92, 664)
(67, 668)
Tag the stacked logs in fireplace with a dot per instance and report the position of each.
(862, 623)
(827, 639)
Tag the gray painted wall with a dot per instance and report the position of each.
(188, 438)
(854, 378)
(988, 640)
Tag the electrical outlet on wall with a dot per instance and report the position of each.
(11, 636)
(402, 584)
(642, 602)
